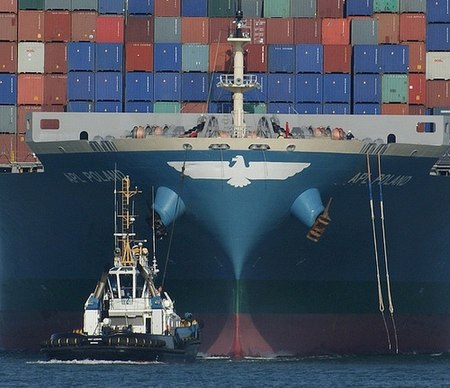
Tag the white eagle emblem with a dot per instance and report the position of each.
(237, 173)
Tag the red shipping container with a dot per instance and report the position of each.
(219, 29)
(139, 29)
(139, 56)
(417, 89)
(394, 109)
(438, 93)
(417, 56)
(30, 89)
(8, 57)
(167, 8)
(330, 8)
(22, 111)
(337, 58)
(255, 58)
(307, 31)
(220, 57)
(280, 31)
(84, 26)
(413, 27)
(417, 110)
(55, 58)
(57, 26)
(23, 152)
(110, 29)
(258, 30)
(335, 31)
(8, 6)
(31, 26)
(388, 27)
(55, 86)
(194, 30)
(194, 107)
(8, 27)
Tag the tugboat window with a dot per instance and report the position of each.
(139, 285)
(113, 286)
(126, 286)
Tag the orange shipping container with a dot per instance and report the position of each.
(8, 6)
(194, 30)
(139, 56)
(413, 27)
(57, 26)
(219, 28)
(394, 109)
(55, 86)
(417, 56)
(438, 93)
(388, 27)
(8, 57)
(31, 26)
(337, 58)
(30, 89)
(280, 31)
(167, 8)
(336, 31)
(84, 26)
(55, 58)
(417, 89)
(110, 29)
(220, 57)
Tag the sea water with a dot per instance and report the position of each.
(30, 370)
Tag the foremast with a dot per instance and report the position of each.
(238, 83)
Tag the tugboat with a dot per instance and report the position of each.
(127, 317)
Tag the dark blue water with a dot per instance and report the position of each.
(25, 370)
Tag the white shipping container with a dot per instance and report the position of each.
(30, 57)
(438, 65)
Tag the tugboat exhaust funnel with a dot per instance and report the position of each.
(168, 205)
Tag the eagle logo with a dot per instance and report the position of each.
(236, 172)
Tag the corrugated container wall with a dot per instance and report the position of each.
(30, 57)
(8, 114)
(307, 30)
(198, 8)
(8, 89)
(419, 6)
(277, 8)
(195, 30)
(364, 31)
(30, 89)
(57, 26)
(167, 8)
(84, 25)
(304, 9)
(438, 11)
(8, 6)
(280, 31)
(167, 30)
(141, 7)
(8, 26)
(139, 29)
(253, 8)
(386, 6)
(8, 57)
(55, 60)
(388, 27)
(359, 7)
(438, 65)
(111, 6)
(31, 4)
(58, 5)
(330, 8)
(31, 26)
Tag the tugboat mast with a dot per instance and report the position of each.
(238, 83)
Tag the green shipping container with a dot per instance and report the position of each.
(31, 4)
(277, 8)
(386, 6)
(166, 107)
(394, 88)
(221, 8)
(255, 107)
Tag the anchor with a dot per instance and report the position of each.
(320, 224)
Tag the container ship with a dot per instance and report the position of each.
(298, 151)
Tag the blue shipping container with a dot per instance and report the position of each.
(394, 58)
(167, 57)
(309, 58)
(359, 7)
(336, 109)
(80, 56)
(257, 94)
(109, 57)
(309, 88)
(144, 7)
(281, 58)
(220, 107)
(438, 38)
(308, 108)
(8, 89)
(167, 87)
(367, 88)
(108, 86)
(281, 108)
(366, 58)
(366, 109)
(80, 86)
(194, 86)
(194, 8)
(108, 106)
(80, 106)
(217, 93)
(438, 11)
(139, 106)
(111, 6)
(280, 88)
(336, 88)
(139, 86)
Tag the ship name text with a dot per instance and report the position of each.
(94, 176)
(385, 179)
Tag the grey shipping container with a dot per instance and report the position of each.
(167, 30)
(58, 4)
(30, 57)
(84, 5)
(195, 57)
(252, 8)
(438, 65)
(413, 6)
(8, 118)
(304, 9)
(364, 31)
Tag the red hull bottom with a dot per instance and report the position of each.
(268, 335)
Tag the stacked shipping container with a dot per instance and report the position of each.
(315, 56)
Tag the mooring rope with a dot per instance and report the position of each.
(375, 246)
(383, 228)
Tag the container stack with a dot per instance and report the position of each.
(310, 57)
